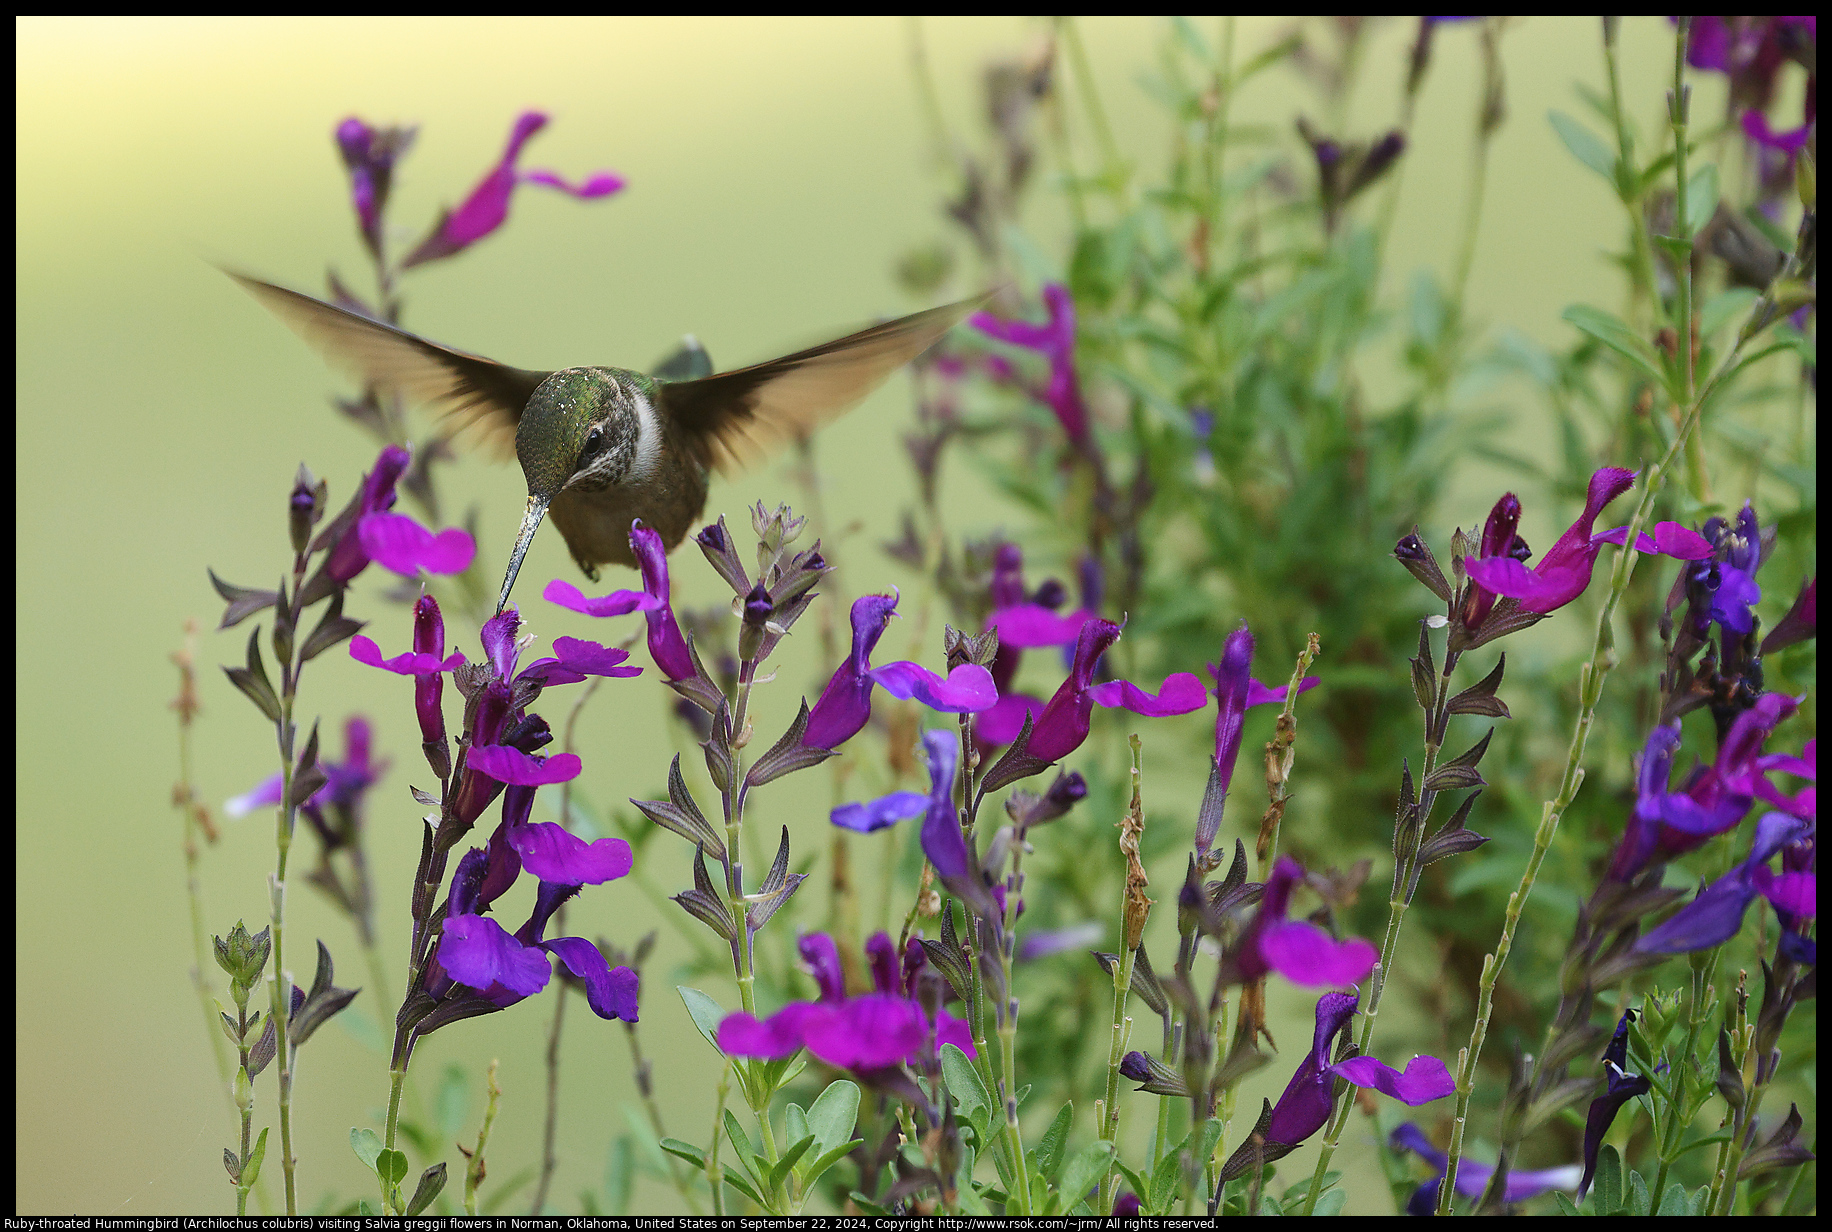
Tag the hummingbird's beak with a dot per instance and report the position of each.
(531, 522)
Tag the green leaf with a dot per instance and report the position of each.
(705, 1013)
(1164, 1181)
(1701, 198)
(1615, 334)
(686, 1150)
(1332, 1202)
(790, 1158)
(739, 1182)
(815, 1170)
(251, 1171)
(747, 1154)
(1081, 1172)
(1137, 1182)
(1585, 146)
(367, 1145)
(872, 1208)
(795, 1122)
(1049, 1151)
(1730, 304)
(1564, 1204)
(969, 1091)
(833, 1114)
(1608, 1188)
(1673, 1202)
(1640, 1201)
(391, 1166)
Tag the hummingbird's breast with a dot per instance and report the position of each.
(596, 524)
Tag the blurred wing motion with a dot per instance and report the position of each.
(736, 418)
(475, 391)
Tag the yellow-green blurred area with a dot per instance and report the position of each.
(776, 170)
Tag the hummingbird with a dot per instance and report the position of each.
(601, 447)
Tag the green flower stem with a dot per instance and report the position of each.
(1628, 182)
(285, 817)
(1722, 1198)
(1593, 674)
(1114, 172)
(473, 1175)
(397, 1078)
(1116, 1052)
(1478, 171)
(715, 1175)
(1397, 903)
(550, 1123)
(645, 1089)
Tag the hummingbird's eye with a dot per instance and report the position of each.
(593, 440)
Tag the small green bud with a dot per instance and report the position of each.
(243, 957)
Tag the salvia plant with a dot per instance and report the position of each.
(1068, 989)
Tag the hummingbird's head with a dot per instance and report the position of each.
(585, 428)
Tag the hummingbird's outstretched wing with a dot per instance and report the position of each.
(738, 417)
(475, 391)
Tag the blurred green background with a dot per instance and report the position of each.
(776, 169)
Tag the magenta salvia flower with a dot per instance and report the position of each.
(398, 543)
(1564, 572)
(348, 557)
(1308, 1097)
(881, 1029)
(1473, 1177)
(1716, 914)
(666, 645)
(1713, 799)
(1236, 692)
(488, 205)
(1064, 722)
(1619, 1086)
(429, 687)
(370, 154)
(1500, 538)
(845, 704)
(1788, 141)
(1055, 341)
(1298, 949)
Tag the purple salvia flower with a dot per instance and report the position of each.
(345, 782)
(1305, 1104)
(553, 853)
(1564, 572)
(1713, 799)
(1055, 341)
(844, 706)
(370, 154)
(1064, 722)
(666, 645)
(1800, 623)
(1619, 1087)
(1473, 1177)
(1055, 941)
(1298, 949)
(477, 952)
(488, 205)
(1715, 915)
